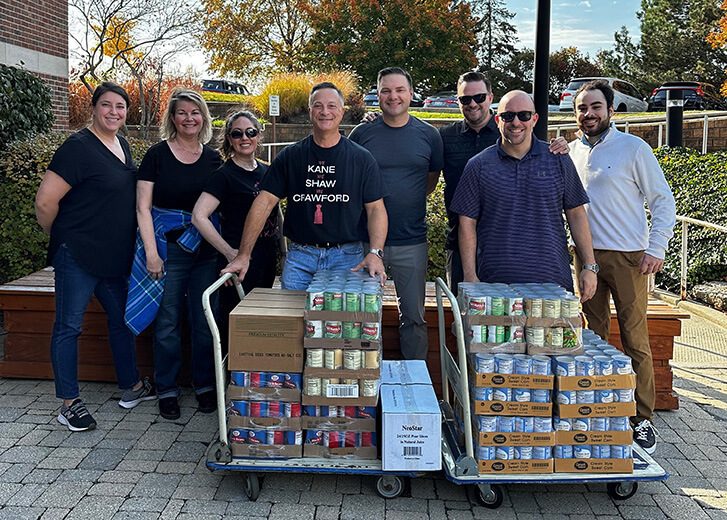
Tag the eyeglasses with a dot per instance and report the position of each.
(249, 132)
(477, 98)
(509, 117)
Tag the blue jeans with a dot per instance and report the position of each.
(304, 261)
(187, 277)
(74, 287)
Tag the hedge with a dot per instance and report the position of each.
(25, 105)
(699, 183)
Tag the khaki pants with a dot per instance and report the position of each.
(620, 277)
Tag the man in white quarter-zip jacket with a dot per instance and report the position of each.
(620, 172)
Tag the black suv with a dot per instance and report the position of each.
(697, 96)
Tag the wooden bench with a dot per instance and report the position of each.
(28, 307)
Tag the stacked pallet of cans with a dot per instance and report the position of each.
(342, 372)
(595, 398)
(512, 410)
(264, 414)
(519, 318)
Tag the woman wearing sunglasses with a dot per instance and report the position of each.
(177, 265)
(232, 190)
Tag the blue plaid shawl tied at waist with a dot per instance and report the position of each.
(145, 293)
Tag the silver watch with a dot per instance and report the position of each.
(591, 267)
(377, 252)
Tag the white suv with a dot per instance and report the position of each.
(626, 97)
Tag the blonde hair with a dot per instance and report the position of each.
(169, 131)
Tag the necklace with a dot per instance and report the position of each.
(245, 166)
(193, 152)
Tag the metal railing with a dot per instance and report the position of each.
(684, 255)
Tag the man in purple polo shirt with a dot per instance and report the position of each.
(510, 202)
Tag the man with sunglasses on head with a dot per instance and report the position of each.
(620, 173)
(510, 202)
(330, 183)
(462, 141)
(409, 154)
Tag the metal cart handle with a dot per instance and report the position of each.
(217, 347)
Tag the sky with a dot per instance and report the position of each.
(586, 24)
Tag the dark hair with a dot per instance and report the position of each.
(474, 76)
(395, 70)
(325, 85)
(109, 86)
(596, 84)
(226, 146)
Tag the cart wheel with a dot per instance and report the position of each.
(389, 486)
(622, 490)
(490, 496)
(252, 486)
(218, 452)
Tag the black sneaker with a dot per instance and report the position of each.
(130, 398)
(169, 408)
(76, 417)
(645, 436)
(207, 401)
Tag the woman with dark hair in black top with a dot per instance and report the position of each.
(86, 203)
(171, 178)
(231, 191)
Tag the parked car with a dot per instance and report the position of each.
(443, 99)
(626, 97)
(371, 99)
(224, 87)
(697, 96)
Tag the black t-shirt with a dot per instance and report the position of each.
(236, 189)
(97, 217)
(326, 190)
(177, 185)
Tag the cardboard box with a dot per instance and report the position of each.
(316, 451)
(571, 411)
(264, 423)
(268, 338)
(512, 381)
(615, 382)
(269, 293)
(513, 408)
(342, 373)
(344, 343)
(516, 439)
(245, 393)
(320, 400)
(580, 437)
(594, 465)
(266, 451)
(516, 466)
(407, 372)
(354, 424)
(411, 428)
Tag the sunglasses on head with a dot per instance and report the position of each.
(478, 98)
(249, 132)
(509, 117)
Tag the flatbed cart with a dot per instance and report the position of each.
(219, 456)
(460, 466)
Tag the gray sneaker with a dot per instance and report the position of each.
(130, 398)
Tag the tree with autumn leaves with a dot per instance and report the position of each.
(718, 38)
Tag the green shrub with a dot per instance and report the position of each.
(437, 233)
(25, 105)
(23, 244)
(699, 183)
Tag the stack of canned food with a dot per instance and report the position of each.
(522, 364)
(546, 317)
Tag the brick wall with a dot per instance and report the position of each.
(36, 33)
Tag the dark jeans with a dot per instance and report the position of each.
(455, 274)
(74, 287)
(187, 277)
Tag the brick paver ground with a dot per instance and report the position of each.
(137, 465)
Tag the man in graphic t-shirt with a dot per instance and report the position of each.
(329, 183)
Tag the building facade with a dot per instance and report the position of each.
(35, 35)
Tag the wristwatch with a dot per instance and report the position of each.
(377, 252)
(591, 267)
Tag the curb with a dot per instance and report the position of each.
(692, 307)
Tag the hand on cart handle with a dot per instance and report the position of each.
(239, 266)
(374, 265)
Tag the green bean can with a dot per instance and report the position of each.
(351, 329)
(353, 301)
(372, 302)
(333, 300)
(498, 306)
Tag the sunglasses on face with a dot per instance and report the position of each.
(509, 117)
(477, 98)
(249, 132)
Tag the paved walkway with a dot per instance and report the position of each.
(140, 466)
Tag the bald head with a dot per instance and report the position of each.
(516, 101)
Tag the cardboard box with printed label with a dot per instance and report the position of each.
(266, 333)
(405, 372)
(411, 428)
